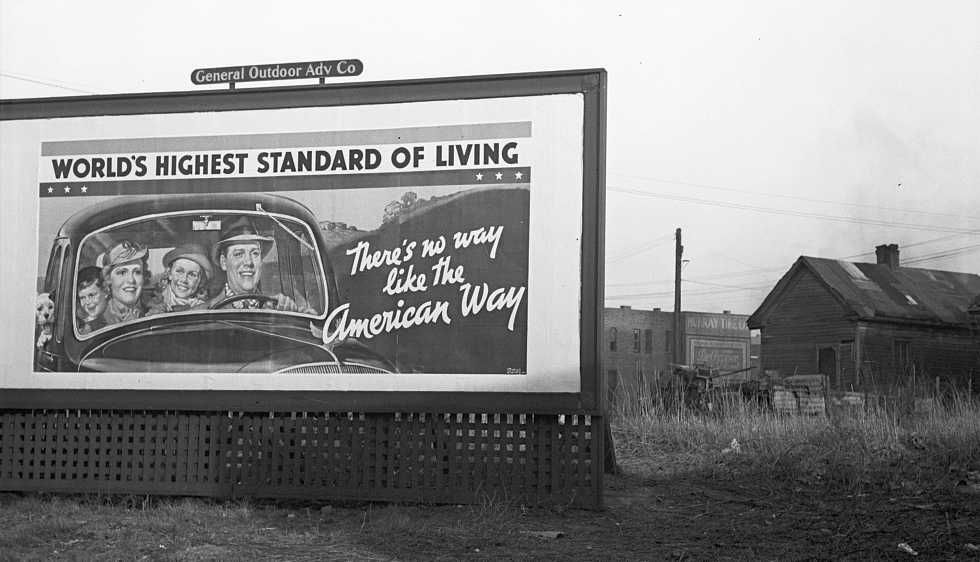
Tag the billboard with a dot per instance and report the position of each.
(376, 245)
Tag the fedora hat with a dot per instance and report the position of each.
(241, 231)
(122, 252)
(190, 251)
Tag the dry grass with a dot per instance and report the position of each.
(44, 527)
(882, 443)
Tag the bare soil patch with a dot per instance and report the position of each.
(658, 508)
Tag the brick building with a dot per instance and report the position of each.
(637, 346)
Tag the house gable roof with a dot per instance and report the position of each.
(877, 292)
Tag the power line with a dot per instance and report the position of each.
(786, 212)
(796, 197)
(734, 288)
(748, 272)
(944, 254)
(635, 283)
(648, 246)
(44, 83)
(719, 285)
(724, 289)
(689, 293)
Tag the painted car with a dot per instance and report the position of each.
(220, 335)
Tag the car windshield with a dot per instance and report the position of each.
(187, 263)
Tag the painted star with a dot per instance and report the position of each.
(67, 189)
(84, 188)
(519, 175)
(499, 175)
(50, 189)
(479, 177)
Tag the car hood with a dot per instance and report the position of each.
(229, 346)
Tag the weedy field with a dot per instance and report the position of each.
(739, 483)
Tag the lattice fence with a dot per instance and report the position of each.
(531, 459)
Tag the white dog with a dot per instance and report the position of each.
(44, 312)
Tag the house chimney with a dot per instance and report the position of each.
(887, 255)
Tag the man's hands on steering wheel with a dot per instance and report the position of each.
(235, 298)
(280, 302)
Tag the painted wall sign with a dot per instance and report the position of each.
(718, 354)
(716, 324)
(342, 68)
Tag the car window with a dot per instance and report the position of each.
(183, 263)
(53, 275)
(52, 278)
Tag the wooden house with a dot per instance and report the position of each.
(871, 325)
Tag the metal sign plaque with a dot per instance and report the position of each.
(279, 71)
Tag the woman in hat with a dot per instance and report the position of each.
(123, 271)
(184, 284)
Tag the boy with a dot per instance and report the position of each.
(92, 300)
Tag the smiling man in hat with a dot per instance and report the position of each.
(123, 271)
(239, 254)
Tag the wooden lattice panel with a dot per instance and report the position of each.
(403, 457)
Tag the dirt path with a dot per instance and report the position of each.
(679, 517)
(653, 512)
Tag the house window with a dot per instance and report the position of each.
(648, 341)
(612, 339)
(636, 340)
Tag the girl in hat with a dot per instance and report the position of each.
(184, 283)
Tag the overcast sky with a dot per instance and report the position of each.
(764, 130)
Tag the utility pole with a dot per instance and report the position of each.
(677, 357)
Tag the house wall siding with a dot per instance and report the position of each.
(869, 355)
(806, 318)
(952, 355)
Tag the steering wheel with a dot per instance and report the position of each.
(235, 298)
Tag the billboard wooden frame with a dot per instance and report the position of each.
(590, 83)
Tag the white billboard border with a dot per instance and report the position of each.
(590, 83)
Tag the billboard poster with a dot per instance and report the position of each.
(422, 246)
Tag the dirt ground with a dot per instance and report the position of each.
(654, 511)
